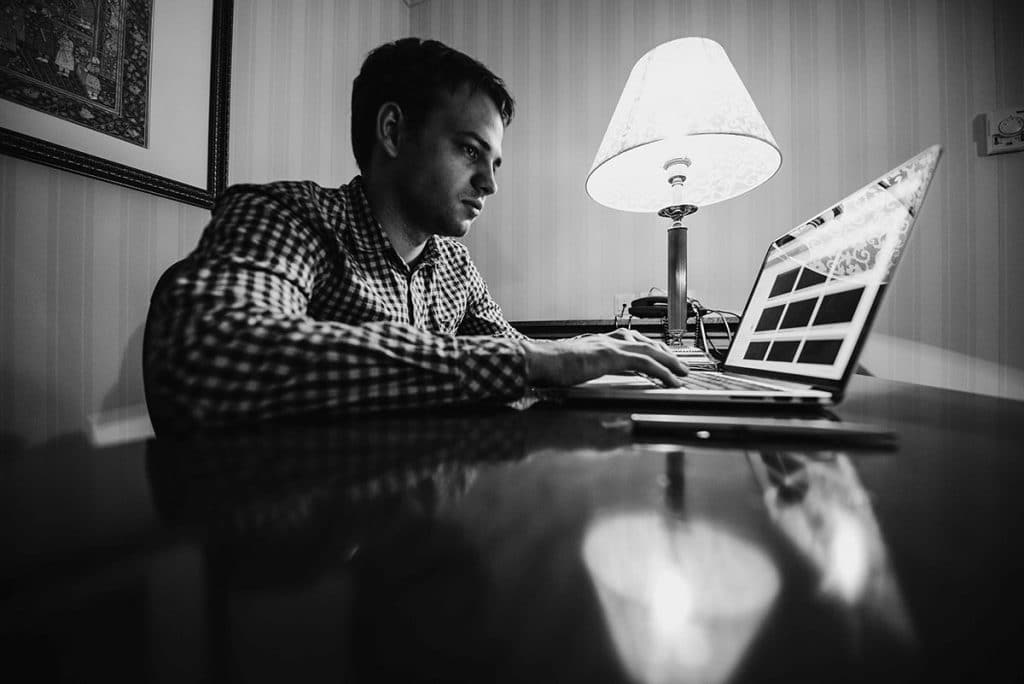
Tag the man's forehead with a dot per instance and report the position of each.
(471, 111)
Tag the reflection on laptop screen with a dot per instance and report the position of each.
(822, 281)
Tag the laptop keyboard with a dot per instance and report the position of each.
(694, 357)
(717, 381)
(720, 381)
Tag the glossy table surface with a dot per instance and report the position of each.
(542, 545)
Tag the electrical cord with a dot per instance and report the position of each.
(621, 314)
(699, 312)
(725, 322)
(701, 337)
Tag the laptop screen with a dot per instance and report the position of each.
(821, 283)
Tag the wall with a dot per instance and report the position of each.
(79, 258)
(849, 89)
(294, 63)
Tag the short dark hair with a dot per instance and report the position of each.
(412, 72)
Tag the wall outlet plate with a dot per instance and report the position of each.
(1004, 130)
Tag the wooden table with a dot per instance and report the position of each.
(542, 545)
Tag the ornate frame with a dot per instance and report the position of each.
(41, 151)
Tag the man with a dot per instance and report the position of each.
(302, 299)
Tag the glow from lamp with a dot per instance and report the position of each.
(685, 134)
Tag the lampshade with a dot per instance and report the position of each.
(683, 100)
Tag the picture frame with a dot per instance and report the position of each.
(186, 158)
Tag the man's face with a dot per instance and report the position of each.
(448, 164)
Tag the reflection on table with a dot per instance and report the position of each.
(549, 544)
(818, 502)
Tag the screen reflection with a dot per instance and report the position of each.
(820, 505)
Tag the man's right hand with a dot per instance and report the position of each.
(570, 362)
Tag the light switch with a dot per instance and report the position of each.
(1004, 130)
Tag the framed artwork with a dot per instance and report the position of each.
(134, 92)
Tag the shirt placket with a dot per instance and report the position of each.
(410, 298)
(408, 285)
(416, 295)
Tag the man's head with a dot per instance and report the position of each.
(428, 121)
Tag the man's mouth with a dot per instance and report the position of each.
(475, 205)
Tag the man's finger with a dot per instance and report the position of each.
(648, 366)
(663, 356)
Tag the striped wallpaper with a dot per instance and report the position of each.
(294, 62)
(848, 88)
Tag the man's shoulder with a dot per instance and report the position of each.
(324, 211)
(304, 196)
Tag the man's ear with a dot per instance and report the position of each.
(390, 124)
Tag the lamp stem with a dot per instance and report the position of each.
(677, 307)
(676, 282)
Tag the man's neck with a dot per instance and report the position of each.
(407, 241)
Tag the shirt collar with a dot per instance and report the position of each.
(367, 233)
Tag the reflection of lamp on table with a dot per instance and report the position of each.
(685, 134)
(682, 600)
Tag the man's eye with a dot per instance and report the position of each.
(471, 152)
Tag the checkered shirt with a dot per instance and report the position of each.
(295, 302)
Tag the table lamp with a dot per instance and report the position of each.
(685, 134)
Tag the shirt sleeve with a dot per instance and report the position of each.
(230, 338)
(483, 315)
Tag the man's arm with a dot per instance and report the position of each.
(568, 362)
(232, 339)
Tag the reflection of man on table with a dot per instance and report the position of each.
(304, 299)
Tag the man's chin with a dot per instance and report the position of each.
(457, 229)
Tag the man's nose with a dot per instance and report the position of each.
(485, 181)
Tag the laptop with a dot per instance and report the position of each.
(810, 309)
